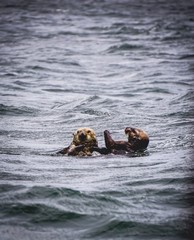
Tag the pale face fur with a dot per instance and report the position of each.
(85, 136)
(137, 138)
(135, 133)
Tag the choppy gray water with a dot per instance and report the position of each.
(105, 65)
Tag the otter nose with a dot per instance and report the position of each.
(128, 129)
(82, 137)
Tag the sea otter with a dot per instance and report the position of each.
(137, 140)
(84, 140)
(85, 143)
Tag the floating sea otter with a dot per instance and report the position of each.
(84, 140)
(137, 140)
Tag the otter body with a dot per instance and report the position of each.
(85, 143)
(137, 140)
(84, 139)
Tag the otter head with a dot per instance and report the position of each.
(137, 138)
(85, 136)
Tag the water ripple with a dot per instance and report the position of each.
(104, 65)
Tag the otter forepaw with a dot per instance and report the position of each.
(63, 151)
(102, 150)
(109, 142)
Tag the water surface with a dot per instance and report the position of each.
(105, 65)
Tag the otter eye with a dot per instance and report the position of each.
(133, 130)
(88, 131)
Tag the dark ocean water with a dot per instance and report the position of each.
(106, 65)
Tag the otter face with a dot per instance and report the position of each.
(85, 136)
(137, 138)
(132, 133)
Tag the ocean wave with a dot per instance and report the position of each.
(124, 47)
(106, 65)
(14, 111)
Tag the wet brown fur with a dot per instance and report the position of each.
(137, 140)
(84, 140)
